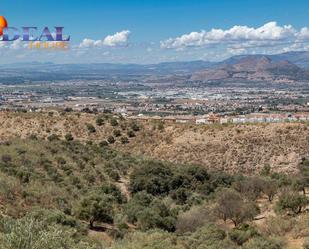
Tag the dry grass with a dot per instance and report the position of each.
(233, 148)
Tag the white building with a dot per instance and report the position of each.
(201, 121)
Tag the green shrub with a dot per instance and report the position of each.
(140, 201)
(193, 219)
(124, 140)
(51, 217)
(111, 140)
(96, 208)
(153, 177)
(291, 201)
(111, 189)
(114, 122)
(180, 195)
(28, 233)
(243, 233)
(103, 144)
(117, 133)
(135, 127)
(208, 236)
(90, 128)
(114, 175)
(155, 239)
(279, 226)
(161, 126)
(304, 174)
(157, 215)
(53, 137)
(283, 180)
(131, 133)
(33, 137)
(263, 243)
(99, 121)
(69, 137)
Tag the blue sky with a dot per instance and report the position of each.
(151, 22)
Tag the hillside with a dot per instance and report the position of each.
(86, 181)
(233, 148)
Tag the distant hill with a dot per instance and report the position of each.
(253, 68)
(299, 58)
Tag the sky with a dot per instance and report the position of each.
(152, 31)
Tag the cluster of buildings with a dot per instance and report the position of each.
(214, 118)
(270, 118)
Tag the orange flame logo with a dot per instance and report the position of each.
(3, 24)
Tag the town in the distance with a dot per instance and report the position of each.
(241, 89)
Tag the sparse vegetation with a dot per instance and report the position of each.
(59, 191)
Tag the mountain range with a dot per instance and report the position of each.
(283, 68)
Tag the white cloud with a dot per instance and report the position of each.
(268, 33)
(118, 39)
(213, 44)
(304, 34)
(88, 43)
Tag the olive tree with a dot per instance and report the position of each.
(231, 206)
(292, 200)
(96, 208)
(269, 188)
